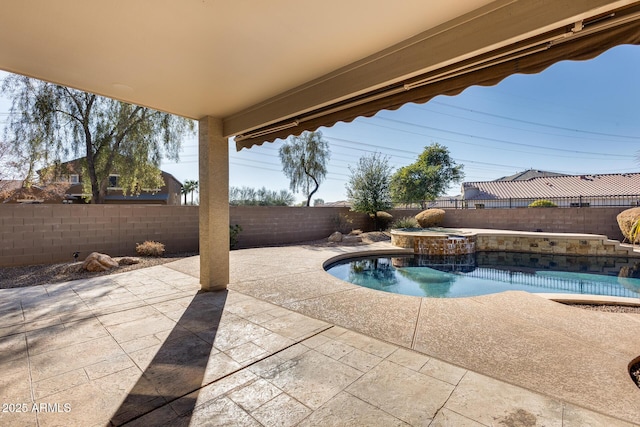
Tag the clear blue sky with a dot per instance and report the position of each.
(574, 117)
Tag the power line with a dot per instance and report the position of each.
(580, 108)
(500, 140)
(536, 123)
(440, 138)
(259, 162)
(581, 137)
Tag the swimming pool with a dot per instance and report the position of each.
(492, 272)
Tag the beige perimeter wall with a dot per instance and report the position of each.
(553, 220)
(39, 234)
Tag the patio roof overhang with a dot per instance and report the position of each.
(273, 69)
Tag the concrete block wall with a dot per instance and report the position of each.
(41, 234)
(553, 220)
(38, 234)
(272, 225)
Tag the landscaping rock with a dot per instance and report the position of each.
(128, 260)
(625, 222)
(335, 237)
(351, 239)
(99, 262)
(430, 218)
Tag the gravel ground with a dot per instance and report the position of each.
(32, 275)
(609, 308)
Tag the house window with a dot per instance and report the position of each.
(74, 178)
(113, 181)
(579, 205)
(479, 205)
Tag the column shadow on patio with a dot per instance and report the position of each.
(180, 365)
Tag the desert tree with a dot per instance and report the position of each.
(247, 196)
(48, 123)
(427, 178)
(304, 161)
(368, 188)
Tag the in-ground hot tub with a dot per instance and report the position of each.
(435, 241)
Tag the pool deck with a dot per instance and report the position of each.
(288, 344)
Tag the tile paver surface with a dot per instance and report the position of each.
(288, 345)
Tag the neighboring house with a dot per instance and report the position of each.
(563, 190)
(338, 204)
(64, 185)
(14, 192)
(528, 174)
(9, 185)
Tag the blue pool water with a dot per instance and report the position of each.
(488, 273)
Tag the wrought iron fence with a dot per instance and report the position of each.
(561, 202)
(557, 284)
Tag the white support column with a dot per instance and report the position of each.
(214, 205)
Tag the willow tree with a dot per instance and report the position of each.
(49, 123)
(304, 161)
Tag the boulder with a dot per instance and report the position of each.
(430, 218)
(335, 237)
(96, 262)
(626, 219)
(128, 260)
(351, 239)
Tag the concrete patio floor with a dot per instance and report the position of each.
(288, 344)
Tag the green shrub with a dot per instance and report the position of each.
(406, 222)
(635, 230)
(383, 220)
(234, 231)
(430, 218)
(150, 248)
(543, 203)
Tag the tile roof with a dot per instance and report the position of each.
(528, 174)
(627, 184)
